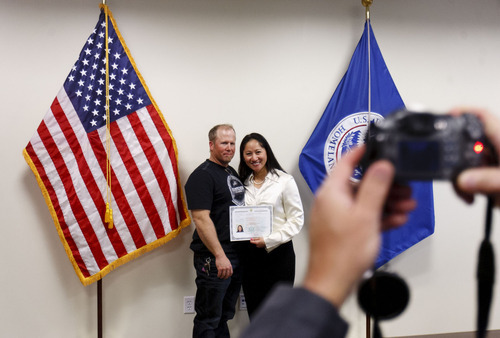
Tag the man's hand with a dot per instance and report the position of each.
(224, 267)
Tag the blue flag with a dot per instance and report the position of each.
(343, 126)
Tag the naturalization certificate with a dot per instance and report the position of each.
(250, 221)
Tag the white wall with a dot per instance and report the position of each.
(265, 66)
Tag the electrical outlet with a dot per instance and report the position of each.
(188, 304)
(243, 302)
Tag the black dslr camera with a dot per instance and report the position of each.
(425, 146)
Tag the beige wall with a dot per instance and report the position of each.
(265, 66)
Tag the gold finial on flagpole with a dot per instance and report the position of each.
(367, 4)
(104, 2)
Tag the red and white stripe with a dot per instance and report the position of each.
(147, 203)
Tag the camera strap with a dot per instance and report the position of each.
(485, 274)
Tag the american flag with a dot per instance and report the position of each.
(69, 159)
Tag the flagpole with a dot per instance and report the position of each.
(99, 282)
(367, 4)
(99, 308)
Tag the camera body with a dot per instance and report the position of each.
(426, 146)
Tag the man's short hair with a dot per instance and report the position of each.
(212, 134)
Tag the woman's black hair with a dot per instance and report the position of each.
(271, 164)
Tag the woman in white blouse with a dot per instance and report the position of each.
(269, 260)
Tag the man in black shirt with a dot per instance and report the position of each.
(210, 190)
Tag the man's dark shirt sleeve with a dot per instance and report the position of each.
(199, 191)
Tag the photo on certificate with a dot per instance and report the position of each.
(250, 221)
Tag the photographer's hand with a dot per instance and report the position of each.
(485, 180)
(345, 225)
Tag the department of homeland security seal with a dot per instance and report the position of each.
(346, 135)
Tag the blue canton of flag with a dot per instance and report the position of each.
(343, 126)
(86, 83)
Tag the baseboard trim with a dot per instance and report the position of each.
(491, 334)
